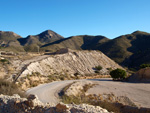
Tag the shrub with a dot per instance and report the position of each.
(85, 99)
(96, 71)
(10, 88)
(144, 66)
(109, 69)
(118, 74)
(76, 74)
(98, 68)
(4, 61)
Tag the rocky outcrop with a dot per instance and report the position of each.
(15, 104)
(80, 62)
(143, 75)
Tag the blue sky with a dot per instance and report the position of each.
(110, 18)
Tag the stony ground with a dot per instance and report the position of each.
(15, 104)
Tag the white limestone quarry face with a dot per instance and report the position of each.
(82, 62)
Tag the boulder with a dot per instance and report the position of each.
(61, 108)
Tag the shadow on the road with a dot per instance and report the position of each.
(137, 82)
(101, 79)
(123, 81)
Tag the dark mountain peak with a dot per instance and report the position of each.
(47, 32)
(140, 33)
(50, 34)
(45, 37)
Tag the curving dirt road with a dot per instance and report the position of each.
(137, 92)
(49, 92)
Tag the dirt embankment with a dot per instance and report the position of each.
(71, 63)
(141, 76)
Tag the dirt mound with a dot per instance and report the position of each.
(143, 75)
(71, 63)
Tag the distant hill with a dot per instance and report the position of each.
(81, 42)
(130, 50)
(9, 41)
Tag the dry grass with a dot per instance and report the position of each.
(84, 99)
(111, 107)
(62, 92)
(87, 86)
(10, 88)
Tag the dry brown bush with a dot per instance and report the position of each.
(10, 88)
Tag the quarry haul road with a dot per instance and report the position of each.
(137, 92)
(49, 92)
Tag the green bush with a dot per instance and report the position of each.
(4, 61)
(144, 66)
(96, 71)
(98, 68)
(118, 74)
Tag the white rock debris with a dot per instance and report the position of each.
(81, 62)
(15, 104)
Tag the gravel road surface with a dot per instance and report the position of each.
(49, 92)
(137, 92)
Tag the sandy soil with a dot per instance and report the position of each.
(137, 92)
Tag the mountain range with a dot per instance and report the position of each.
(129, 50)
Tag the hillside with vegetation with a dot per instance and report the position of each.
(129, 50)
(32, 42)
(81, 42)
(40, 59)
(9, 41)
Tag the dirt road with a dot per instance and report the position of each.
(49, 92)
(138, 92)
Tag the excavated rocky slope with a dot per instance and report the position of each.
(71, 63)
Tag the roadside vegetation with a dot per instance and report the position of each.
(88, 99)
(85, 99)
(107, 101)
(10, 88)
(34, 79)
